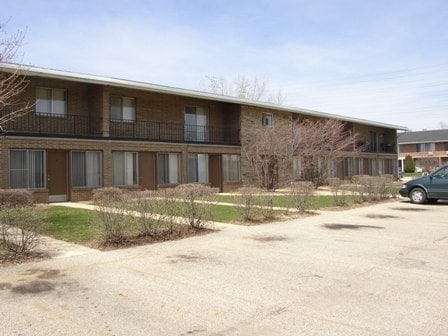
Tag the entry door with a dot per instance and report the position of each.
(147, 170)
(215, 171)
(57, 176)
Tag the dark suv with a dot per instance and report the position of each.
(429, 188)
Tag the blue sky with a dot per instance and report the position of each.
(378, 60)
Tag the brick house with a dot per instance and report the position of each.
(429, 149)
(89, 131)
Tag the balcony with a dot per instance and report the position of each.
(75, 126)
(381, 148)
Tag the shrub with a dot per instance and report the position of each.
(250, 207)
(335, 184)
(194, 212)
(409, 164)
(20, 224)
(300, 195)
(113, 217)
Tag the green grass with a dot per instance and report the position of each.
(80, 225)
(70, 224)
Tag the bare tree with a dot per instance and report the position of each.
(320, 144)
(269, 153)
(11, 84)
(428, 163)
(255, 88)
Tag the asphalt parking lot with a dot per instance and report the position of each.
(377, 270)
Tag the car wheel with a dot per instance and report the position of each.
(418, 196)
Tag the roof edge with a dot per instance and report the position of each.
(103, 80)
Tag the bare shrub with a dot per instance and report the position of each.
(20, 224)
(300, 195)
(194, 212)
(373, 188)
(155, 210)
(114, 221)
(339, 193)
(249, 208)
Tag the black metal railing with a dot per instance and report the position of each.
(54, 125)
(381, 148)
(92, 127)
(173, 132)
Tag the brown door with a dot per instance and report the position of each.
(57, 176)
(147, 170)
(215, 175)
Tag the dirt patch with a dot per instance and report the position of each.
(8, 259)
(150, 238)
(269, 238)
(380, 216)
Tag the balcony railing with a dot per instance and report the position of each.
(173, 132)
(381, 148)
(54, 125)
(76, 126)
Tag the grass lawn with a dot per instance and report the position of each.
(70, 224)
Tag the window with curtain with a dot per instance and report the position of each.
(198, 168)
(51, 101)
(168, 168)
(122, 108)
(86, 169)
(26, 169)
(359, 166)
(231, 167)
(348, 167)
(196, 124)
(125, 171)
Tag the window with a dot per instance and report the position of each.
(372, 167)
(196, 124)
(86, 169)
(26, 169)
(297, 164)
(122, 108)
(198, 168)
(168, 168)
(267, 120)
(125, 170)
(359, 166)
(381, 166)
(231, 167)
(426, 147)
(373, 147)
(348, 167)
(51, 101)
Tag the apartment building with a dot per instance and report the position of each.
(87, 132)
(429, 149)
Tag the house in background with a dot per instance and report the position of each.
(87, 132)
(429, 149)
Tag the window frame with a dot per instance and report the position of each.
(122, 108)
(166, 170)
(227, 164)
(27, 170)
(194, 130)
(52, 113)
(85, 172)
(197, 173)
(125, 175)
(267, 120)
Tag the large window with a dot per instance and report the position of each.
(125, 171)
(122, 108)
(26, 169)
(168, 168)
(196, 124)
(231, 167)
(348, 167)
(51, 101)
(86, 169)
(426, 147)
(198, 168)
